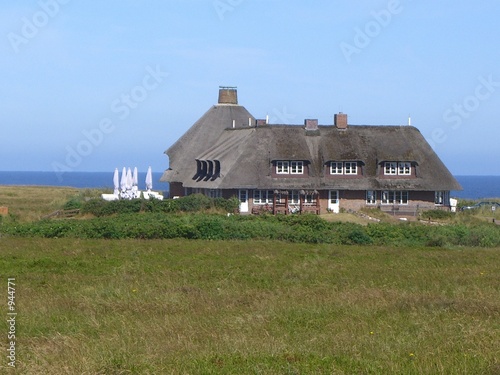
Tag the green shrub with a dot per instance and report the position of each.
(436, 241)
(436, 214)
(358, 236)
(127, 223)
(73, 204)
(194, 203)
(228, 205)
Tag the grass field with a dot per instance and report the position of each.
(250, 307)
(244, 307)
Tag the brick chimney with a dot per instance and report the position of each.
(340, 121)
(311, 124)
(228, 95)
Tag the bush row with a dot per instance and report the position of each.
(293, 228)
(191, 203)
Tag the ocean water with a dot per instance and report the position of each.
(478, 187)
(475, 187)
(76, 179)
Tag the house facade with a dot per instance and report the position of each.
(282, 168)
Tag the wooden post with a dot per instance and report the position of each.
(274, 203)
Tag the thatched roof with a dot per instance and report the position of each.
(201, 136)
(246, 155)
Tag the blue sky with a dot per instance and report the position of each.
(90, 86)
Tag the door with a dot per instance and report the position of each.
(243, 196)
(333, 201)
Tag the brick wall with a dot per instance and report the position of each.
(176, 189)
(228, 96)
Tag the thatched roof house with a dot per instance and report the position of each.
(306, 167)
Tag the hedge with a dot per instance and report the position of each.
(292, 228)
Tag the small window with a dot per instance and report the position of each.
(371, 197)
(333, 196)
(336, 167)
(350, 167)
(441, 198)
(404, 168)
(282, 167)
(390, 168)
(296, 167)
(257, 197)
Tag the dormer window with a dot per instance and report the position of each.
(350, 167)
(404, 168)
(289, 167)
(296, 167)
(344, 168)
(392, 168)
(282, 167)
(336, 167)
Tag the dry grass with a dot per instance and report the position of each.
(190, 307)
(28, 203)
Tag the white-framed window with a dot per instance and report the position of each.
(336, 167)
(394, 197)
(263, 196)
(371, 197)
(293, 197)
(296, 167)
(310, 198)
(441, 198)
(258, 197)
(404, 168)
(390, 168)
(282, 167)
(350, 167)
(397, 168)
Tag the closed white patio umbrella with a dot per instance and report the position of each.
(135, 177)
(129, 180)
(123, 181)
(116, 182)
(149, 180)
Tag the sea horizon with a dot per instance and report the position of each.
(474, 186)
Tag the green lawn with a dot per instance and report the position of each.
(250, 307)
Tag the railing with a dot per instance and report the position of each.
(400, 210)
(282, 208)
